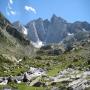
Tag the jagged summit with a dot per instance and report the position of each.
(54, 19)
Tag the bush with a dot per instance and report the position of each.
(40, 52)
(69, 47)
(88, 62)
(38, 57)
(55, 52)
(47, 47)
(70, 66)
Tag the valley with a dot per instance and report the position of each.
(59, 63)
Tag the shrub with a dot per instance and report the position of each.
(47, 47)
(38, 57)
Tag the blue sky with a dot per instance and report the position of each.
(27, 10)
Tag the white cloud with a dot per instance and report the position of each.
(9, 6)
(30, 9)
(12, 12)
(7, 12)
(11, 1)
(9, 9)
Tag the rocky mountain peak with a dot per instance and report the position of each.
(39, 19)
(22, 29)
(17, 23)
(55, 19)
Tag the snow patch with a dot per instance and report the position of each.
(84, 30)
(13, 12)
(11, 1)
(25, 31)
(20, 28)
(69, 34)
(37, 44)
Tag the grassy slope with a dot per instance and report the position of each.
(53, 64)
(23, 87)
(12, 48)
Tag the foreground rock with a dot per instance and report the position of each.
(33, 73)
(75, 79)
(29, 76)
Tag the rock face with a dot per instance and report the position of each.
(55, 30)
(6, 26)
(47, 31)
(12, 39)
(20, 28)
(36, 30)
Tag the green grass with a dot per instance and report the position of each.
(25, 87)
(53, 65)
(22, 87)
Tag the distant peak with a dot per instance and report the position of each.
(54, 18)
(39, 19)
(17, 22)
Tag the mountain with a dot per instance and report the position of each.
(29, 34)
(54, 30)
(67, 50)
(43, 30)
(13, 42)
(20, 28)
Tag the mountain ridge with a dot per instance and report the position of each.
(54, 30)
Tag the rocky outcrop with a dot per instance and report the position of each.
(75, 79)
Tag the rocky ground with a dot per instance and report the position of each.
(75, 79)
(67, 71)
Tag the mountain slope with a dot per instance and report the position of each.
(12, 40)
